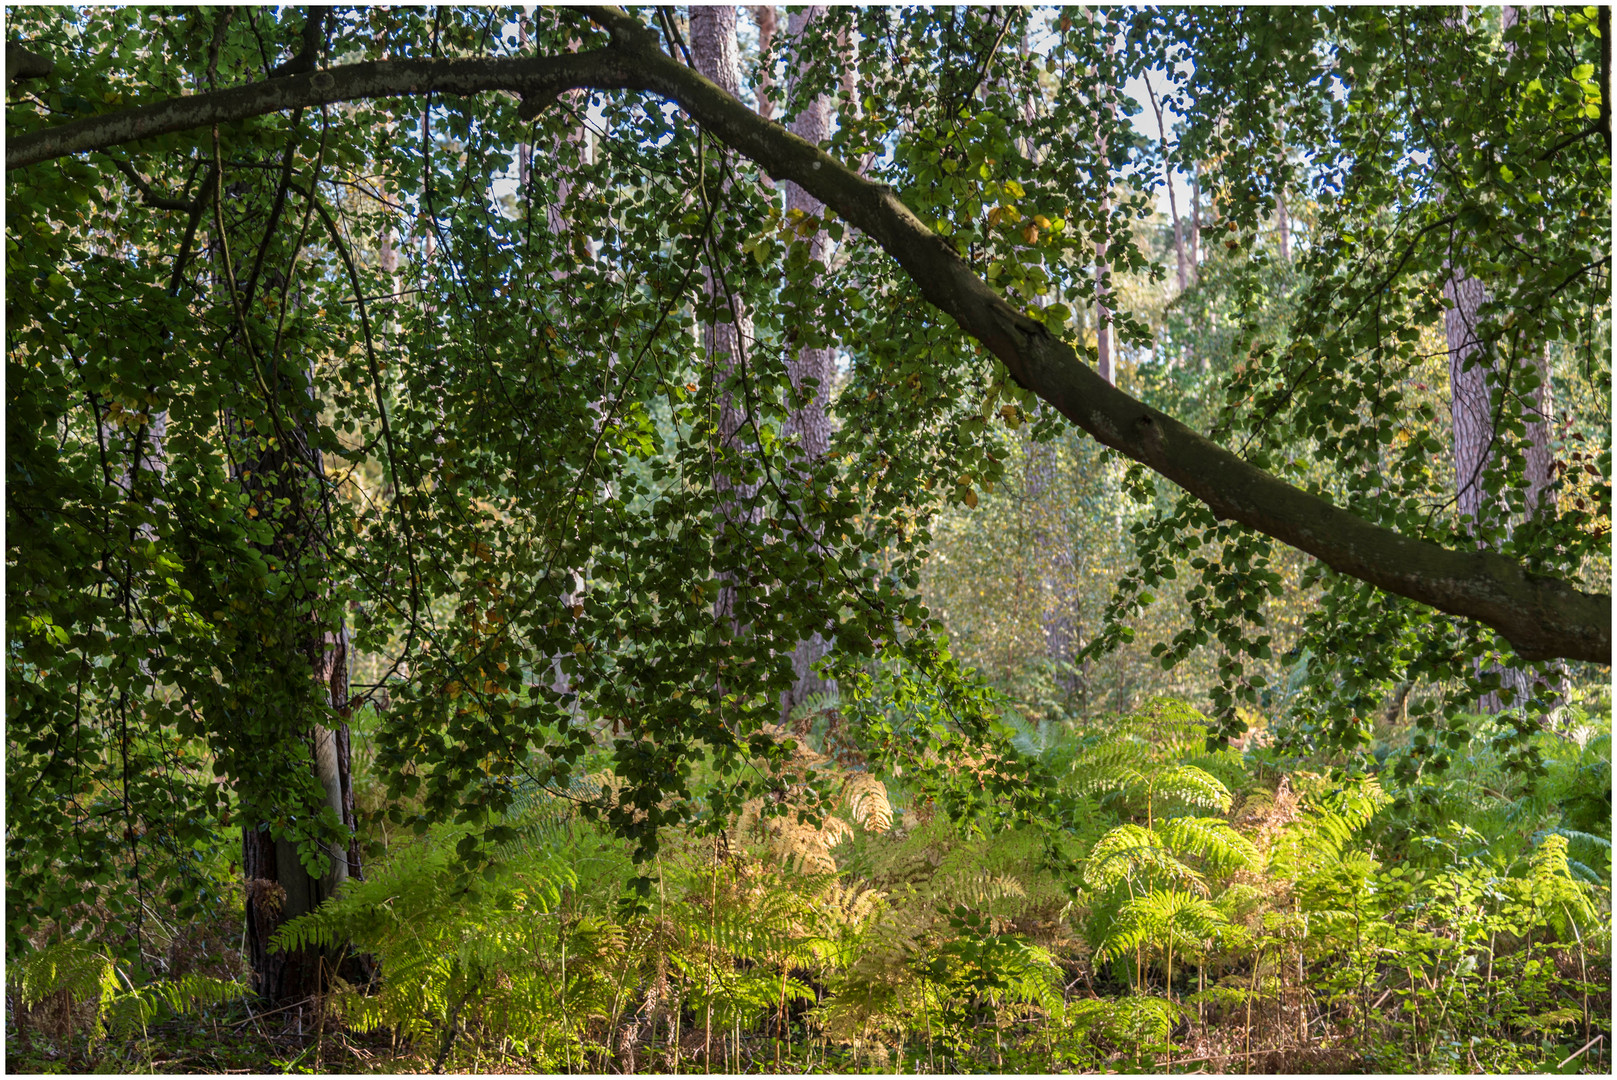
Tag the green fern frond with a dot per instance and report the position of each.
(88, 976)
(1164, 918)
(1193, 786)
(1143, 1019)
(127, 1012)
(1126, 851)
(1584, 872)
(1095, 774)
(83, 973)
(1603, 842)
(1213, 840)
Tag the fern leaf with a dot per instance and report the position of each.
(1126, 851)
(1213, 840)
(1193, 786)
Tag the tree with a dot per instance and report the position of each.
(1394, 185)
(1542, 618)
(522, 430)
(814, 370)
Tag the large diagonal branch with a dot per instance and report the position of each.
(1542, 617)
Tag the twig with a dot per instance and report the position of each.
(1236, 1054)
(272, 1012)
(1580, 1050)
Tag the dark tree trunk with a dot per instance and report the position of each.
(278, 886)
(284, 480)
(1473, 379)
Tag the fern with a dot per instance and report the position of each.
(1213, 840)
(499, 955)
(1129, 851)
(86, 976)
(1142, 1020)
(1317, 840)
(1192, 786)
(69, 967)
(1164, 919)
(1551, 893)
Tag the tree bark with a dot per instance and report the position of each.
(811, 423)
(1541, 617)
(765, 18)
(1470, 386)
(716, 56)
(1283, 225)
(279, 887)
(1475, 377)
(284, 480)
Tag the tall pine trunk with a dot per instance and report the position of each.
(1475, 376)
(728, 337)
(810, 423)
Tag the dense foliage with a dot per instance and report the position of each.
(382, 498)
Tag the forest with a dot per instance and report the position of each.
(808, 539)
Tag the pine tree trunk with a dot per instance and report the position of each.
(1103, 267)
(1469, 411)
(765, 18)
(1472, 382)
(715, 55)
(1474, 376)
(812, 422)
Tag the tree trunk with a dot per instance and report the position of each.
(279, 887)
(1103, 268)
(714, 52)
(1283, 225)
(765, 18)
(1183, 260)
(1474, 376)
(1193, 241)
(1469, 390)
(1058, 566)
(811, 423)
(284, 481)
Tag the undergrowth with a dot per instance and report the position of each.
(1228, 914)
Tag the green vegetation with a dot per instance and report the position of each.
(827, 540)
(1225, 914)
